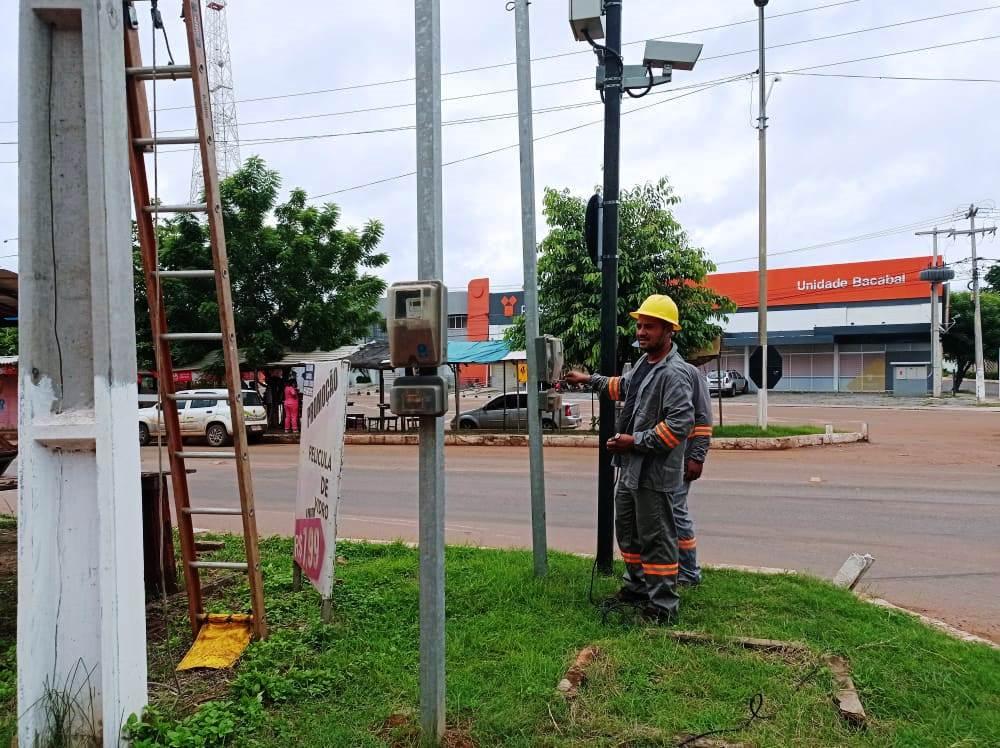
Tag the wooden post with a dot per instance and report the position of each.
(159, 561)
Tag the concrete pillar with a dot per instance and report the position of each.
(81, 622)
(746, 366)
(836, 367)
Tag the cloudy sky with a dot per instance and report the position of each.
(848, 157)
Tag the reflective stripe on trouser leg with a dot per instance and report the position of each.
(658, 547)
(686, 541)
(627, 532)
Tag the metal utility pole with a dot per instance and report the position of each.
(529, 251)
(609, 280)
(430, 266)
(81, 628)
(977, 314)
(935, 316)
(762, 225)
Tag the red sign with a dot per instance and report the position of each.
(877, 280)
(183, 377)
(310, 546)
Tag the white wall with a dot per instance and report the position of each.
(792, 320)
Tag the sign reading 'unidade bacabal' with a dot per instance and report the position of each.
(321, 459)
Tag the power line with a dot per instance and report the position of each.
(459, 71)
(392, 81)
(474, 120)
(894, 54)
(673, 35)
(515, 145)
(892, 77)
(877, 234)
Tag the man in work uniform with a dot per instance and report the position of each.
(698, 443)
(649, 448)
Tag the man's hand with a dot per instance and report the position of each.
(620, 443)
(692, 470)
(577, 377)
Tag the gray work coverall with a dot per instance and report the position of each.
(649, 474)
(698, 443)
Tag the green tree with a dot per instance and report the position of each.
(8, 341)
(654, 256)
(299, 281)
(992, 278)
(959, 342)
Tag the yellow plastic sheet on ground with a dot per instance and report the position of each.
(220, 642)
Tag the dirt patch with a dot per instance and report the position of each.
(8, 583)
(401, 730)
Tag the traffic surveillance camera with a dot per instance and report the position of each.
(585, 19)
(677, 55)
(760, 3)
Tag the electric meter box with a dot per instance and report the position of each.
(419, 396)
(550, 355)
(417, 324)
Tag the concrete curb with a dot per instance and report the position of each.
(589, 441)
(947, 628)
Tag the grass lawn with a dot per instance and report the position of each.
(511, 638)
(746, 430)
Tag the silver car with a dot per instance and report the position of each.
(731, 382)
(510, 412)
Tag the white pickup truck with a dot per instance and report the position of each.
(208, 417)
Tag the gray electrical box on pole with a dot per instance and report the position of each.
(81, 605)
(539, 543)
(430, 266)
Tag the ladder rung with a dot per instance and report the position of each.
(189, 208)
(182, 398)
(186, 273)
(237, 565)
(192, 336)
(206, 455)
(159, 72)
(212, 510)
(165, 140)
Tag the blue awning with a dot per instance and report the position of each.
(476, 351)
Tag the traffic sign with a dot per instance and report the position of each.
(775, 366)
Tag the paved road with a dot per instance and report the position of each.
(923, 498)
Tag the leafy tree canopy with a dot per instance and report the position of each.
(959, 342)
(992, 278)
(654, 256)
(299, 280)
(8, 341)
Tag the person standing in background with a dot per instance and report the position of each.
(291, 404)
(698, 443)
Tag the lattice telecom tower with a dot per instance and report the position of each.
(223, 97)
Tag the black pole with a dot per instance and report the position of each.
(609, 280)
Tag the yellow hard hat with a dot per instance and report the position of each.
(661, 307)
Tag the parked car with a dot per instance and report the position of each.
(206, 417)
(733, 383)
(511, 411)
